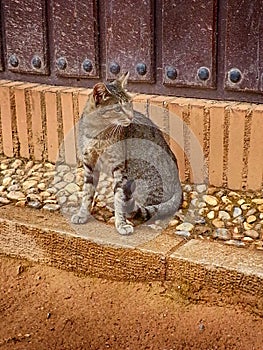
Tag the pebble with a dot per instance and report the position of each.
(251, 219)
(247, 239)
(15, 195)
(16, 164)
(223, 215)
(188, 188)
(69, 177)
(241, 201)
(185, 226)
(41, 186)
(29, 184)
(62, 168)
(201, 188)
(251, 212)
(72, 187)
(222, 233)
(211, 215)
(245, 206)
(173, 222)
(247, 226)
(183, 233)
(7, 181)
(257, 201)
(235, 242)
(60, 185)
(218, 223)
(226, 200)
(4, 201)
(237, 212)
(29, 165)
(51, 207)
(210, 200)
(252, 233)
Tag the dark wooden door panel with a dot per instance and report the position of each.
(1, 53)
(129, 39)
(189, 42)
(25, 35)
(75, 37)
(244, 45)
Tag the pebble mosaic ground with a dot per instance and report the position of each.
(232, 217)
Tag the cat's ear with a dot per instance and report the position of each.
(124, 79)
(100, 93)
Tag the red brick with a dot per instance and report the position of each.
(255, 157)
(176, 131)
(38, 139)
(236, 146)
(52, 125)
(82, 99)
(197, 159)
(68, 127)
(141, 103)
(6, 121)
(216, 155)
(22, 118)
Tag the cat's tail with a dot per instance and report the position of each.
(162, 210)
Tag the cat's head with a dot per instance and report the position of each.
(113, 102)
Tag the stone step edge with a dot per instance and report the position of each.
(199, 270)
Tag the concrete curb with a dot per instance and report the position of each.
(195, 268)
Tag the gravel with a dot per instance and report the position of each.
(232, 217)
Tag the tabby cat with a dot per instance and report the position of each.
(121, 142)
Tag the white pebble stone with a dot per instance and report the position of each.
(185, 226)
(188, 188)
(7, 181)
(211, 215)
(247, 239)
(51, 207)
(223, 215)
(237, 212)
(72, 187)
(201, 188)
(69, 177)
(240, 201)
(63, 168)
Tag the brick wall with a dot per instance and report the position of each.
(216, 141)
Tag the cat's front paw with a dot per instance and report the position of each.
(79, 219)
(125, 229)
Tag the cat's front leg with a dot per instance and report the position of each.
(123, 203)
(90, 183)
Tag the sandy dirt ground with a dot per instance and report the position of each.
(46, 308)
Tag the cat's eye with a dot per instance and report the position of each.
(117, 109)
